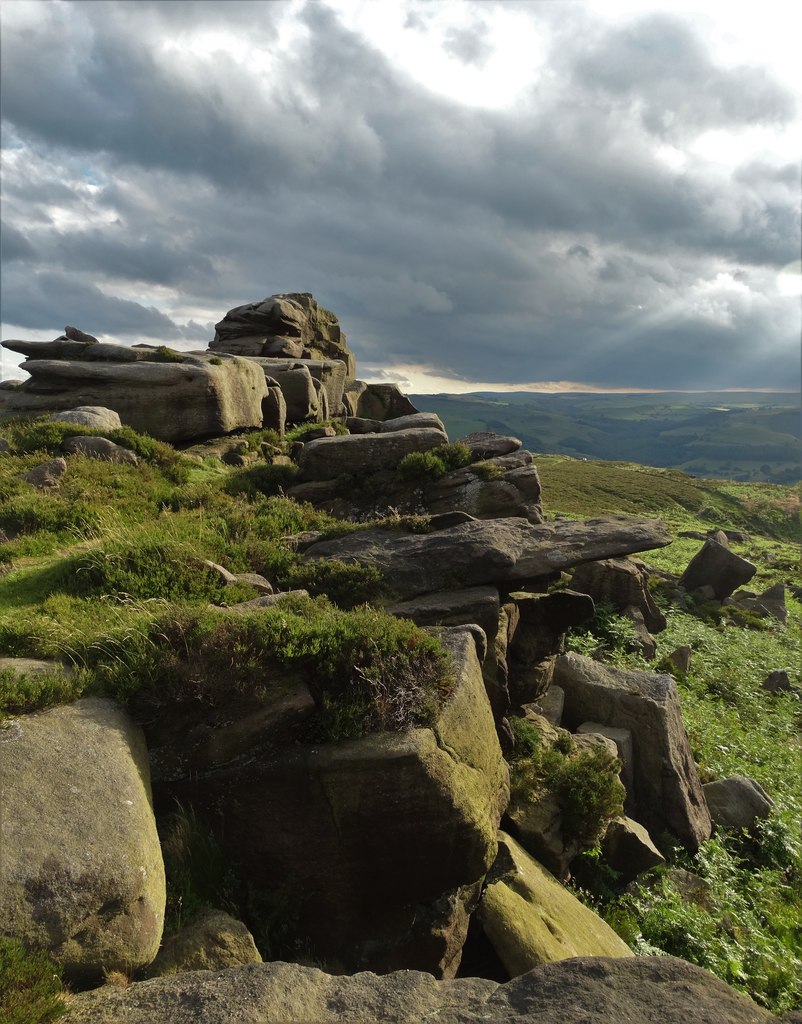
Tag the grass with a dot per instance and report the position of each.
(578, 488)
(749, 931)
(366, 670)
(30, 985)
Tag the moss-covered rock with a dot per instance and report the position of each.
(82, 873)
(531, 919)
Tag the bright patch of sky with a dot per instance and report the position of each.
(477, 54)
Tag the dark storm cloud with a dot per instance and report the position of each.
(661, 65)
(36, 298)
(544, 242)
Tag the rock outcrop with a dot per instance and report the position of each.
(90, 416)
(531, 919)
(212, 941)
(81, 872)
(737, 802)
(646, 989)
(377, 843)
(489, 551)
(350, 454)
(667, 790)
(717, 567)
(289, 324)
(172, 396)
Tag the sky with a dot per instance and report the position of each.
(599, 195)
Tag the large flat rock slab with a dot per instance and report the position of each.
(196, 396)
(488, 551)
(590, 990)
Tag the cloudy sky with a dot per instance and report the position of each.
(603, 194)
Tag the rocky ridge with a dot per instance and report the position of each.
(402, 853)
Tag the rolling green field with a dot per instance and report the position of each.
(744, 436)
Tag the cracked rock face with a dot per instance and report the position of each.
(377, 844)
(290, 324)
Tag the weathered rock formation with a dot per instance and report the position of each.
(289, 325)
(717, 567)
(351, 454)
(646, 989)
(531, 919)
(492, 551)
(667, 791)
(379, 843)
(171, 396)
(737, 802)
(212, 941)
(81, 871)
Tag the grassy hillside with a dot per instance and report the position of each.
(107, 571)
(748, 928)
(738, 436)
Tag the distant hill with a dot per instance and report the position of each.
(743, 436)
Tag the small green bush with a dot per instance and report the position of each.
(21, 694)
(527, 738)
(584, 783)
(347, 584)
(30, 985)
(608, 633)
(418, 467)
(164, 354)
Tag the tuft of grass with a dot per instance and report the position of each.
(303, 430)
(22, 694)
(487, 471)
(164, 354)
(198, 874)
(30, 985)
(262, 480)
(418, 467)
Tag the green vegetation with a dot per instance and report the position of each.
(30, 985)
(584, 783)
(744, 923)
(748, 928)
(303, 430)
(164, 354)
(367, 670)
(198, 875)
(108, 575)
(418, 467)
